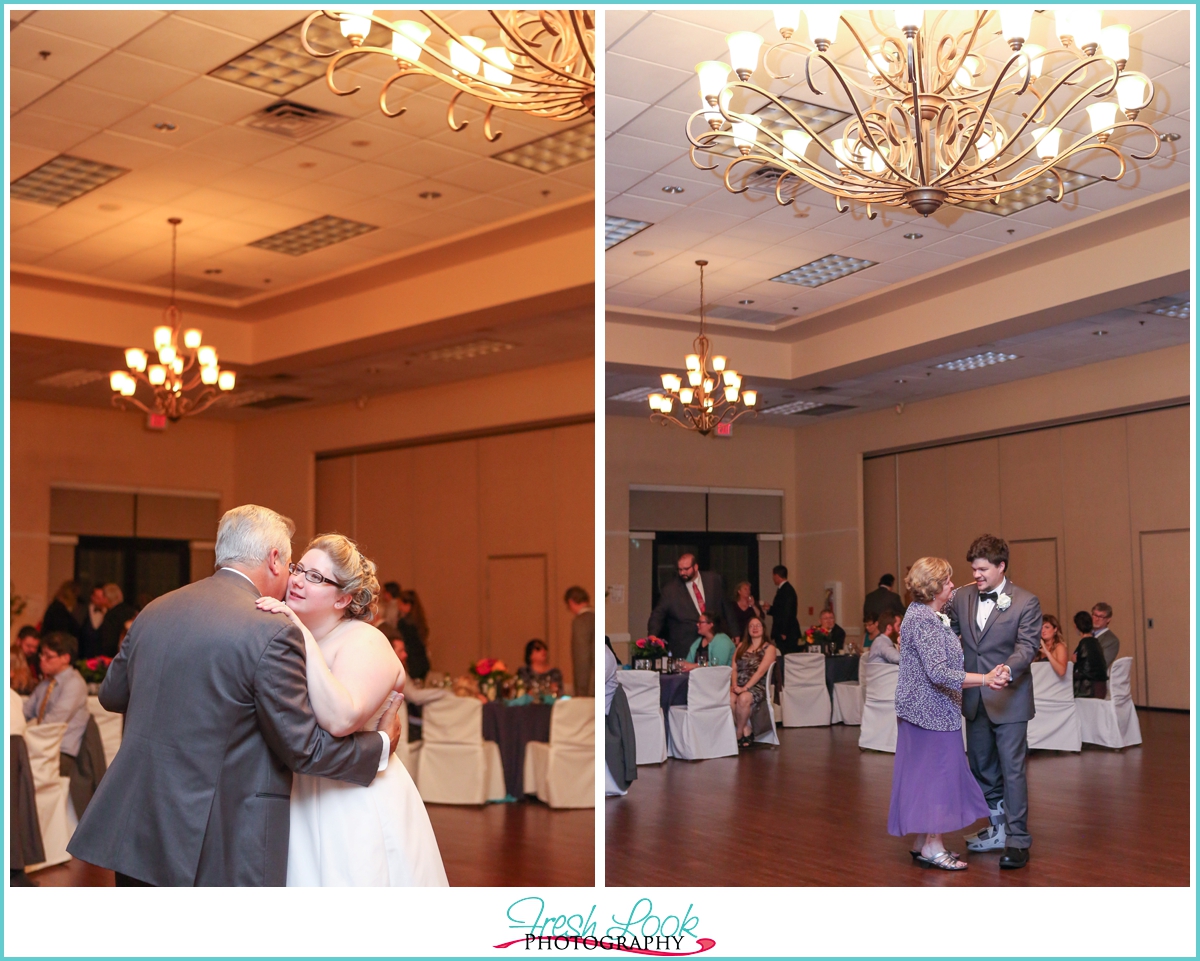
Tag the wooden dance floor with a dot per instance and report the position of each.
(814, 811)
(500, 845)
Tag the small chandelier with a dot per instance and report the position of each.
(543, 63)
(186, 379)
(924, 130)
(711, 397)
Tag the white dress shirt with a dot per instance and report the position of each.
(985, 607)
(692, 592)
(882, 649)
(387, 741)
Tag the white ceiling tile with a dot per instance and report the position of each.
(49, 133)
(488, 210)
(380, 178)
(660, 125)
(488, 175)
(232, 232)
(621, 178)
(148, 185)
(51, 54)
(317, 94)
(633, 79)
(1172, 94)
(142, 124)
(997, 228)
(965, 246)
(273, 216)
(439, 226)
(217, 100)
(219, 203)
(311, 164)
(618, 22)
(581, 174)
(652, 189)
(191, 170)
(187, 44)
(672, 43)
(257, 182)
(361, 141)
(26, 87)
(237, 144)
(640, 154)
(531, 193)
(424, 116)
(1168, 38)
(322, 198)
(79, 104)
(618, 111)
(121, 151)
(258, 25)
(430, 159)
(133, 77)
(21, 212)
(109, 28)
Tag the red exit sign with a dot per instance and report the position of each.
(156, 422)
(724, 430)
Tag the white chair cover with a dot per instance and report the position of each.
(44, 742)
(563, 772)
(703, 727)
(805, 697)
(878, 731)
(408, 752)
(1111, 722)
(1055, 724)
(848, 697)
(610, 784)
(16, 713)
(457, 765)
(770, 736)
(649, 730)
(110, 726)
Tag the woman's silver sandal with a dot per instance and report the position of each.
(943, 860)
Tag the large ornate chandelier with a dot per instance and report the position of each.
(543, 63)
(186, 379)
(711, 397)
(927, 129)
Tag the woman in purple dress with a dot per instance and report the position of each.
(933, 790)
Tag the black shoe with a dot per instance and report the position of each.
(1014, 858)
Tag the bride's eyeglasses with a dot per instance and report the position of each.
(313, 577)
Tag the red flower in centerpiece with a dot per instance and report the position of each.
(484, 666)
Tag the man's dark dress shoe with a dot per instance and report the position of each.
(1014, 858)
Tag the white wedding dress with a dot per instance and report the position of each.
(344, 835)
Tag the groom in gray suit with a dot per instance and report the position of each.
(215, 698)
(999, 623)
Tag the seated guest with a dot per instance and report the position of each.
(61, 697)
(415, 631)
(31, 640)
(753, 657)
(20, 677)
(870, 631)
(118, 612)
(401, 650)
(829, 632)
(884, 647)
(744, 607)
(537, 669)
(58, 616)
(1053, 647)
(1091, 671)
(1110, 644)
(713, 647)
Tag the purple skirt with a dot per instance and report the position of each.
(933, 790)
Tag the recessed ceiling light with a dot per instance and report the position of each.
(619, 229)
(913, 236)
(745, 302)
(110, 207)
(307, 164)
(429, 195)
(823, 270)
(976, 361)
(643, 253)
(809, 408)
(360, 143)
(63, 179)
(672, 189)
(1168, 137)
(313, 235)
(1099, 333)
(901, 380)
(547, 154)
(165, 126)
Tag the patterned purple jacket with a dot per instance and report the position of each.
(929, 688)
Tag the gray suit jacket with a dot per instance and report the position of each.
(1110, 644)
(675, 616)
(217, 717)
(583, 653)
(1009, 637)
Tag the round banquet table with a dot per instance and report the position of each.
(840, 667)
(672, 689)
(512, 728)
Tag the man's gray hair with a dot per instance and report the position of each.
(247, 535)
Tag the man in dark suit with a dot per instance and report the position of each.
(883, 600)
(999, 623)
(217, 717)
(785, 628)
(583, 640)
(683, 601)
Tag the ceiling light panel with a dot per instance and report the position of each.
(794, 407)
(820, 272)
(475, 348)
(1178, 306)
(63, 179)
(564, 148)
(313, 235)
(977, 361)
(619, 229)
(1033, 193)
(70, 379)
(634, 395)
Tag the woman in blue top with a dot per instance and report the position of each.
(933, 790)
(713, 644)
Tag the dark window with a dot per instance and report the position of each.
(733, 556)
(144, 567)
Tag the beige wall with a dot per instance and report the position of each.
(489, 531)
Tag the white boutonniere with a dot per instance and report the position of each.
(1003, 602)
(944, 618)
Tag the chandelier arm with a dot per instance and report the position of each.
(202, 401)
(581, 38)
(120, 400)
(523, 46)
(338, 57)
(867, 53)
(309, 48)
(948, 77)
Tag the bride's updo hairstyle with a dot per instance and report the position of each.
(354, 572)
(927, 577)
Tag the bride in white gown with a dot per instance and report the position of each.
(343, 834)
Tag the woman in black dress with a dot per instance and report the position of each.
(1091, 671)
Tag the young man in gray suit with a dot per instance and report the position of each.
(999, 623)
(1110, 644)
(215, 698)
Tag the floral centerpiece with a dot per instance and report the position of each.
(93, 669)
(493, 678)
(814, 635)
(649, 648)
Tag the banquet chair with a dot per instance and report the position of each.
(1111, 722)
(110, 726)
(563, 772)
(649, 731)
(1055, 723)
(848, 697)
(457, 765)
(44, 742)
(805, 697)
(703, 727)
(611, 789)
(409, 752)
(878, 731)
(769, 735)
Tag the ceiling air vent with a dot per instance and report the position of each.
(278, 400)
(292, 120)
(468, 351)
(69, 379)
